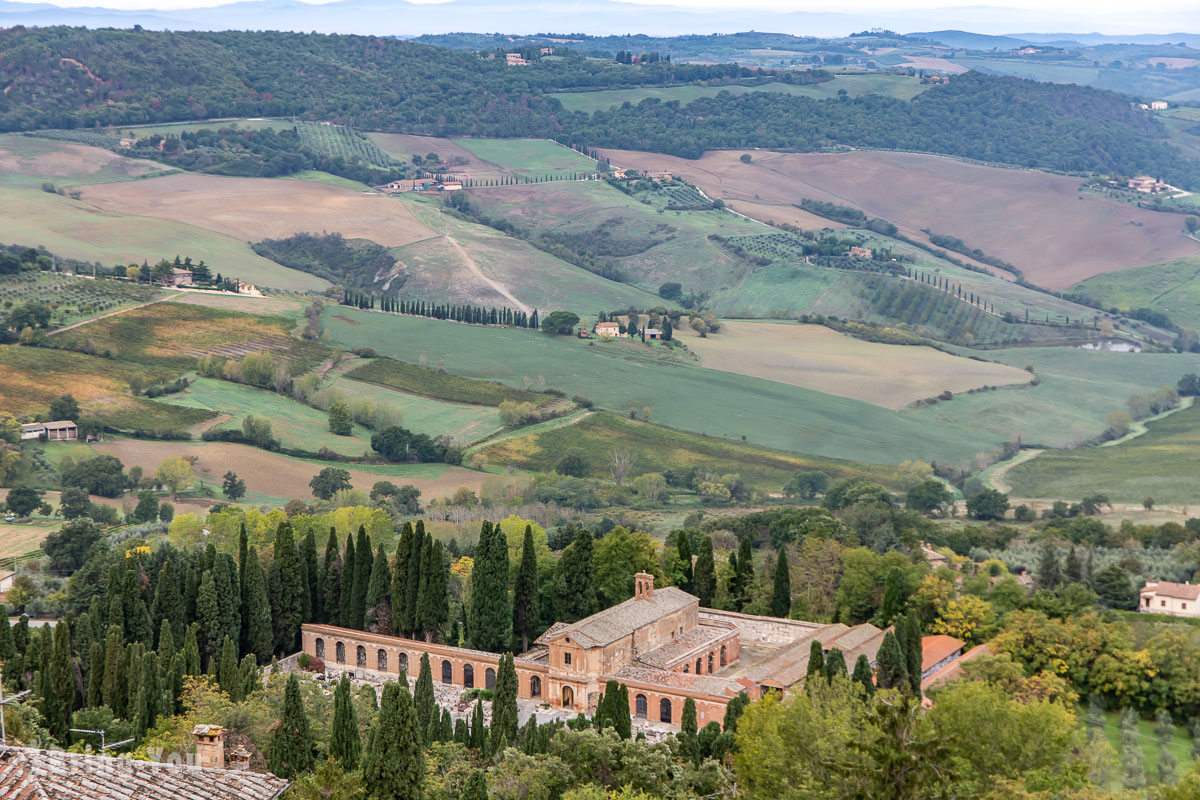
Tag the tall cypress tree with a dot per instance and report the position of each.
(781, 598)
(8, 648)
(378, 618)
(913, 656)
(345, 743)
(284, 586)
(331, 581)
(525, 592)
(113, 651)
(835, 664)
(312, 589)
(412, 580)
(95, 686)
(58, 704)
(260, 635)
(704, 575)
(575, 579)
(424, 702)
(816, 664)
(292, 750)
(490, 613)
(862, 675)
(225, 576)
(891, 670)
(685, 580)
(400, 579)
(168, 603)
(242, 574)
(504, 705)
(479, 734)
(228, 676)
(434, 607)
(475, 787)
(364, 562)
(149, 695)
(395, 764)
(688, 730)
(208, 614)
(166, 648)
(346, 601)
(744, 574)
(191, 650)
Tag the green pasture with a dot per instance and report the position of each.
(75, 229)
(140, 413)
(438, 273)
(316, 176)
(898, 86)
(23, 154)
(1172, 288)
(1180, 747)
(434, 383)
(630, 375)
(528, 157)
(294, 424)
(1161, 463)
(424, 415)
(1049, 72)
(176, 128)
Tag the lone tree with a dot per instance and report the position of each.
(292, 750)
(329, 481)
(340, 420)
(233, 487)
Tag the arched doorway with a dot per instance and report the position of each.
(640, 706)
(381, 660)
(664, 710)
(535, 686)
(568, 697)
(722, 655)
(468, 676)
(340, 651)
(698, 670)
(361, 656)
(320, 645)
(710, 663)
(489, 679)
(447, 672)
(404, 662)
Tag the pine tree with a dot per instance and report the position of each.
(284, 589)
(331, 582)
(260, 636)
(575, 579)
(504, 704)
(395, 764)
(704, 575)
(424, 701)
(345, 743)
(228, 677)
(292, 752)
(433, 608)
(1049, 571)
(816, 664)
(475, 787)
(781, 599)
(490, 612)
(378, 601)
(525, 592)
(208, 614)
(364, 562)
(862, 675)
(683, 547)
(835, 664)
(891, 669)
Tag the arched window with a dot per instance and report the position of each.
(640, 706)
(687, 667)
(698, 668)
(447, 672)
(340, 651)
(489, 679)
(722, 655)
(535, 686)
(468, 676)
(664, 710)
(381, 660)
(361, 655)
(320, 645)
(568, 697)
(710, 663)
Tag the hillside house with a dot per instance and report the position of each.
(1159, 105)
(932, 557)
(660, 643)
(610, 330)
(178, 277)
(1147, 184)
(515, 60)
(861, 252)
(1167, 597)
(450, 186)
(63, 430)
(939, 652)
(661, 176)
(653, 333)
(1028, 51)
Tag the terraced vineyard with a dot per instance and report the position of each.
(328, 139)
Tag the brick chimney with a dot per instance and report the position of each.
(210, 746)
(240, 758)
(644, 583)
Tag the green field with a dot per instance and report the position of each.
(1180, 746)
(1160, 463)
(898, 86)
(74, 298)
(294, 424)
(75, 229)
(316, 176)
(1172, 288)
(338, 141)
(440, 272)
(176, 128)
(529, 157)
(433, 383)
(624, 375)
(657, 449)
(466, 423)
(27, 162)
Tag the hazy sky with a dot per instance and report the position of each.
(1084, 8)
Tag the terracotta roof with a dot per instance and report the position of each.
(623, 619)
(30, 774)
(1182, 591)
(954, 669)
(700, 684)
(937, 648)
(672, 652)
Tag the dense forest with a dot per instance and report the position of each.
(71, 78)
(355, 262)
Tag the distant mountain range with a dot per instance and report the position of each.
(597, 17)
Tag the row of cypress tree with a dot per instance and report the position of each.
(474, 315)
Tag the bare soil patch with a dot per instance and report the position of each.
(404, 146)
(938, 64)
(815, 357)
(64, 160)
(252, 209)
(1038, 222)
(238, 302)
(279, 476)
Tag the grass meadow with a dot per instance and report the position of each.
(27, 162)
(1172, 288)
(1160, 463)
(1181, 747)
(528, 157)
(466, 423)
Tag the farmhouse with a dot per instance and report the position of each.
(450, 186)
(61, 431)
(178, 277)
(660, 643)
(1166, 597)
(653, 333)
(515, 60)
(609, 329)
(1159, 105)
(860, 252)
(1148, 184)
